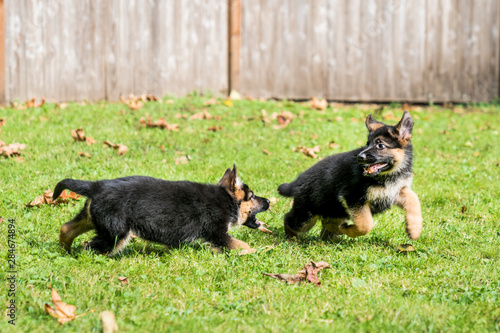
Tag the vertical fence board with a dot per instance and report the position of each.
(373, 50)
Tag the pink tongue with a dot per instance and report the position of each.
(373, 168)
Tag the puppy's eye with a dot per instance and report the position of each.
(380, 146)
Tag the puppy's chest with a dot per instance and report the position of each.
(382, 197)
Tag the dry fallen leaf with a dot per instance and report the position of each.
(273, 200)
(160, 123)
(136, 102)
(2, 122)
(318, 104)
(463, 209)
(284, 118)
(61, 106)
(32, 103)
(108, 322)
(201, 115)
(333, 145)
(182, 160)
(406, 248)
(122, 149)
(82, 154)
(61, 311)
(123, 279)
(309, 273)
(310, 152)
(17, 106)
(265, 151)
(11, 149)
(215, 128)
(211, 101)
(46, 198)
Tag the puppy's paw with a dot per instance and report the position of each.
(263, 228)
(247, 251)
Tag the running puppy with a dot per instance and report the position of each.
(166, 212)
(357, 184)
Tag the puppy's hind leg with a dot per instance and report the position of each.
(330, 228)
(81, 224)
(298, 221)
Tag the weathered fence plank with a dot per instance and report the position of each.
(373, 50)
(354, 50)
(87, 49)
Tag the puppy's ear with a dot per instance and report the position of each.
(372, 124)
(404, 127)
(229, 179)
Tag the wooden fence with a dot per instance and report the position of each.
(349, 50)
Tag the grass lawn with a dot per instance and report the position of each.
(450, 283)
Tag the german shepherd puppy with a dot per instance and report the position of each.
(166, 212)
(356, 185)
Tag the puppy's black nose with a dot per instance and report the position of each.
(267, 201)
(365, 158)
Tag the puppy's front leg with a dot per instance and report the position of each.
(408, 201)
(362, 219)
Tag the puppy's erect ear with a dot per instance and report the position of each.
(404, 127)
(229, 179)
(372, 124)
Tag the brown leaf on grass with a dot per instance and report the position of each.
(309, 274)
(11, 149)
(318, 104)
(463, 209)
(2, 219)
(333, 145)
(215, 128)
(289, 278)
(211, 101)
(273, 200)
(18, 106)
(61, 106)
(265, 151)
(78, 134)
(160, 123)
(2, 122)
(498, 164)
(201, 115)
(61, 311)
(122, 149)
(136, 102)
(46, 198)
(263, 116)
(284, 118)
(182, 160)
(108, 322)
(32, 103)
(309, 152)
(123, 279)
(405, 248)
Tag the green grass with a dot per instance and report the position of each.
(451, 282)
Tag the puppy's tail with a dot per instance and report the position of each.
(81, 187)
(286, 189)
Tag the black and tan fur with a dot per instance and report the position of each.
(166, 212)
(357, 184)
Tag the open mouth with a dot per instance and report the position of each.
(374, 169)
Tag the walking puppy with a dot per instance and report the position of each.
(357, 184)
(166, 212)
